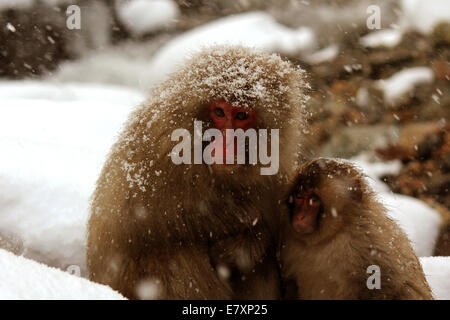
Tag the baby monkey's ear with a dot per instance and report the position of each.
(354, 187)
(335, 179)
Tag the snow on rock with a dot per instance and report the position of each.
(254, 29)
(403, 82)
(383, 38)
(419, 221)
(24, 279)
(423, 16)
(415, 15)
(323, 55)
(54, 140)
(144, 16)
(15, 4)
(125, 64)
(437, 272)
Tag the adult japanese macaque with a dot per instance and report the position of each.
(338, 242)
(164, 223)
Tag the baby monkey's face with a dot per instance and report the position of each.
(306, 210)
(325, 191)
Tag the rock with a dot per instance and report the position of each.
(430, 143)
(411, 135)
(369, 100)
(443, 243)
(395, 151)
(441, 69)
(336, 105)
(439, 185)
(432, 111)
(350, 141)
(33, 41)
(410, 185)
(384, 62)
(441, 34)
(444, 163)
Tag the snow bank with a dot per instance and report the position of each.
(415, 15)
(144, 16)
(403, 82)
(437, 272)
(54, 140)
(254, 29)
(420, 222)
(24, 279)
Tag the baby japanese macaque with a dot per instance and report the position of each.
(338, 242)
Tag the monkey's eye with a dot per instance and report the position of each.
(314, 200)
(242, 115)
(219, 112)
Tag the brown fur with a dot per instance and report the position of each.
(152, 220)
(331, 262)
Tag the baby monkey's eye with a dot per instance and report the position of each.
(314, 200)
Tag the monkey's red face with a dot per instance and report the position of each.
(224, 116)
(305, 213)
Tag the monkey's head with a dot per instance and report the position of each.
(325, 195)
(234, 88)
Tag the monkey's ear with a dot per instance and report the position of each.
(354, 187)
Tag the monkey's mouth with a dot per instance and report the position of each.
(229, 155)
(304, 220)
(227, 167)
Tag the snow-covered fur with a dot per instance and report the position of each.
(152, 219)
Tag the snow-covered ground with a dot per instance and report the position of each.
(55, 139)
(437, 272)
(22, 278)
